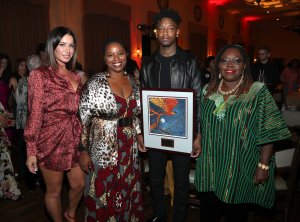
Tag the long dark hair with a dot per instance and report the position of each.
(15, 74)
(215, 81)
(53, 40)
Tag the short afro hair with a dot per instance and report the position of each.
(167, 13)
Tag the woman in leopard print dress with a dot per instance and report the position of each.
(109, 110)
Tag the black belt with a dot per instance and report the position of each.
(123, 122)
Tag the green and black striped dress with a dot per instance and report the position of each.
(232, 135)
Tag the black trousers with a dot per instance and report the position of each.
(181, 169)
(212, 209)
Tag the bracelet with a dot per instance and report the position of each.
(263, 166)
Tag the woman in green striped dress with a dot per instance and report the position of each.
(240, 123)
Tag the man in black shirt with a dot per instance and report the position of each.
(265, 71)
(171, 67)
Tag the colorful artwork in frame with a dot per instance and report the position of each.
(168, 119)
(167, 116)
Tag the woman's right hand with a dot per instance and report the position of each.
(85, 161)
(31, 164)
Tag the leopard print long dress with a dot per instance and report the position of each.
(113, 187)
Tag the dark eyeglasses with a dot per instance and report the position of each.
(235, 61)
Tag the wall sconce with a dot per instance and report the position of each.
(138, 53)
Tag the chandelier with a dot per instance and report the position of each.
(271, 3)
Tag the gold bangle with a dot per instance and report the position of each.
(263, 166)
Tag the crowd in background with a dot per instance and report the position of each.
(14, 112)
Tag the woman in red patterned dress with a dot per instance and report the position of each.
(52, 133)
(109, 109)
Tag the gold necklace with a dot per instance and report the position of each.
(229, 92)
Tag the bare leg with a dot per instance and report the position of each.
(76, 181)
(53, 181)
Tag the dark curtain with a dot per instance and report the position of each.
(97, 29)
(198, 45)
(22, 26)
(220, 43)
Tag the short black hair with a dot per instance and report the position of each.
(265, 48)
(166, 13)
(112, 40)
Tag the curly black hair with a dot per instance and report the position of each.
(166, 13)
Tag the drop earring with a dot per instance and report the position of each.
(220, 76)
(177, 35)
(107, 74)
(125, 72)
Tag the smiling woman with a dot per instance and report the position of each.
(109, 110)
(233, 172)
(52, 133)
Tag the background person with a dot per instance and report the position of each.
(290, 77)
(206, 73)
(52, 132)
(266, 71)
(32, 62)
(8, 185)
(109, 110)
(170, 67)
(41, 51)
(240, 122)
(5, 74)
(131, 66)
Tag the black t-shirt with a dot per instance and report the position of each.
(165, 74)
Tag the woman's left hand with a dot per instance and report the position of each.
(261, 176)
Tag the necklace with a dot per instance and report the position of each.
(229, 92)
